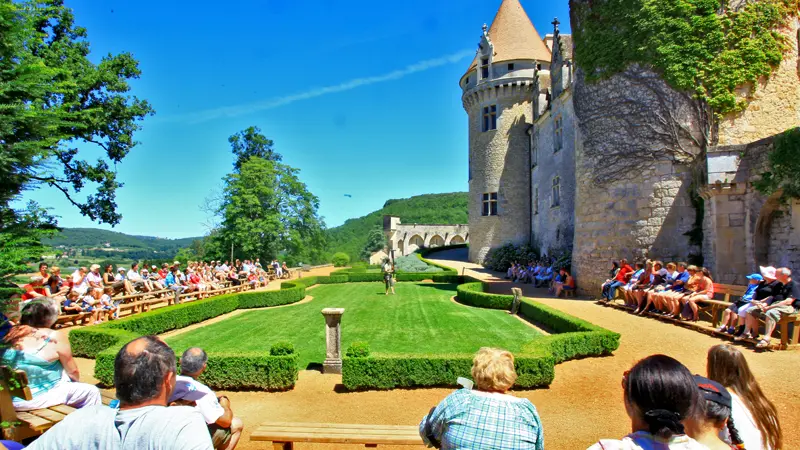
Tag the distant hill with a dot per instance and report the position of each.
(351, 236)
(102, 242)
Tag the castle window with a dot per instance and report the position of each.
(484, 68)
(511, 67)
(536, 201)
(558, 134)
(489, 204)
(489, 117)
(556, 199)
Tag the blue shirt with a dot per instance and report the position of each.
(684, 277)
(469, 419)
(749, 293)
(169, 280)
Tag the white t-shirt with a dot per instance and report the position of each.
(79, 283)
(148, 428)
(134, 275)
(188, 389)
(745, 424)
(94, 278)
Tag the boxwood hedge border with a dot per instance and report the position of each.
(573, 338)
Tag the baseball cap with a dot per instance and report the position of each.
(767, 272)
(713, 391)
(755, 276)
(120, 269)
(94, 266)
(154, 267)
(177, 263)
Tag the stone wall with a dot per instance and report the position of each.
(774, 106)
(553, 227)
(498, 162)
(635, 173)
(405, 239)
(743, 229)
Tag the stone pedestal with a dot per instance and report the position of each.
(333, 340)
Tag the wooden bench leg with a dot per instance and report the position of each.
(796, 333)
(784, 324)
(282, 445)
(714, 316)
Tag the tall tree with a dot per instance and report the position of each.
(250, 142)
(54, 101)
(376, 240)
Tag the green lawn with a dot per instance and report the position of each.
(420, 319)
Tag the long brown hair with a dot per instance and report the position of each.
(727, 366)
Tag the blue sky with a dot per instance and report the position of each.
(362, 96)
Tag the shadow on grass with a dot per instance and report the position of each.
(439, 286)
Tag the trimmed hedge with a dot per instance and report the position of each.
(225, 370)
(472, 294)
(381, 371)
(535, 365)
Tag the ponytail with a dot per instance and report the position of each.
(664, 423)
(736, 440)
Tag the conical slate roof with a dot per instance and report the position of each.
(514, 36)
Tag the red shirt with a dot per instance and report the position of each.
(162, 273)
(29, 289)
(625, 270)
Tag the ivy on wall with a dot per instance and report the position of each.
(784, 167)
(699, 46)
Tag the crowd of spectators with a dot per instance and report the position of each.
(89, 291)
(542, 274)
(675, 290)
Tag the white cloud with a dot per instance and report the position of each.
(249, 108)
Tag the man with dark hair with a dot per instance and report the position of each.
(144, 374)
(225, 430)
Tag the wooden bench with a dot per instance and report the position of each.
(283, 435)
(715, 307)
(25, 424)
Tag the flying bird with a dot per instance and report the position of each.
(348, 195)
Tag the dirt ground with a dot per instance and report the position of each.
(583, 404)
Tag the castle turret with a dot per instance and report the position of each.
(498, 88)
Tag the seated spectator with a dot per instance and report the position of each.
(462, 420)
(285, 273)
(144, 374)
(136, 280)
(71, 304)
(91, 303)
(567, 283)
(623, 275)
(544, 278)
(785, 302)
(80, 281)
(633, 281)
(657, 276)
(736, 312)
(675, 290)
(224, 428)
(704, 291)
(659, 394)
(34, 289)
(109, 306)
(44, 273)
(172, 281)
(765, 292)
(56, 288)
(127, 286)
(611, 275)
(755, 417)
(654, 296)
(713, 418)
(46, 357)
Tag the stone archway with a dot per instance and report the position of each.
(763, 229)
(436, 241)
(456, 240)
(400, 247)
(416, 242)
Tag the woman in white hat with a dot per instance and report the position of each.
(763, 296)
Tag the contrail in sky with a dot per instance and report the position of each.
(249, 108)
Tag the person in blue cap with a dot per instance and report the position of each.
(737, 312)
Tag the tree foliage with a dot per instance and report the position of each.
(698, 46)
(250, 142)
(54, 99)
(265, 210)
(784, 167)
(351, 237)
(376, 240)
(20, 238)
(340, 259)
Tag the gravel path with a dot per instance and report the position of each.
(584, 402)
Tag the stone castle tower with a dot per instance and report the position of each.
(497, 93)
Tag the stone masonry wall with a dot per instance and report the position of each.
(633, 185)
(553, 227)
(499, 163)
(775, 104)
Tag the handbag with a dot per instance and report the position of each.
(435, 443)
